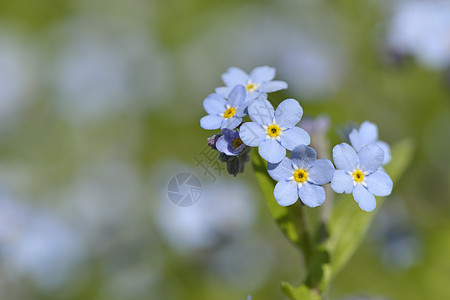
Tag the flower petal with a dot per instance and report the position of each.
(261, 112)
(293, 137)
(237, 96)
(211, 122)
(262, 74)
(321, 172)
(368, 133)
(231, 123)
(280, 171)
(288, 113)
(285, 192)
(252, 97)
(370, 158)
(379, 183)
(303, 156)
(311, 195)
(234, 76)
(387, 151)
(271, 150)
(342, 182)
(252, 134)
(273, 86)
(345, 157)
(222, 146)
(364, 198)
(223, 91)
(214, 104)
(355, 139)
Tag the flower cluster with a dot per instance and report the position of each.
(275, 132)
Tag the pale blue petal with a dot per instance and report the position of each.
(214, 104)
(237, 96)
(262, 74)
(368, 133)
(241, 111)
(288, 113)
(345, 157)
(252, 97)
(379, 183)
(223, 91)
(342, 182)
(231, 123)
(261, 112)
(321, 172)
(273, 86)
(303, 156)
(234, 76)
(211, 122)
(365, 200)
(280, 171)
(370, 158)
(355, 140)
(311, 195)
(293, 137)
(252, 134)
(285, 192)
(222, 146)
(387, 151)
(272, 151)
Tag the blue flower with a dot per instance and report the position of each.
(368, 134)
(360, 174)
(230, 143)
(274, 131)
(259, 81)
(301, 177)
(223, 113)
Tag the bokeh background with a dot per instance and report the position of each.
(100, 104)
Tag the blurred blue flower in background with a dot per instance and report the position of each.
(104, 66)
(394, 237)
(422, 29)
(224, 211)
(36, 242)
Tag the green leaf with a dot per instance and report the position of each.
(289, 219)
(299, 293)
(348, 223)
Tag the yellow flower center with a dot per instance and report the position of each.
(237, 142)
(358, 176)
(229, 113)
(273, 130)
(300, 175)
(251, 87)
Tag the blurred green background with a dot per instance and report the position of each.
(100, 104)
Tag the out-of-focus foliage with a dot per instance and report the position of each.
(100, 104)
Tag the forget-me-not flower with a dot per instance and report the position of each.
(274, 131)
(230, 143)
(368, 134)
(302, 177)
(259, 81)
(224, 113)
(360, 174)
